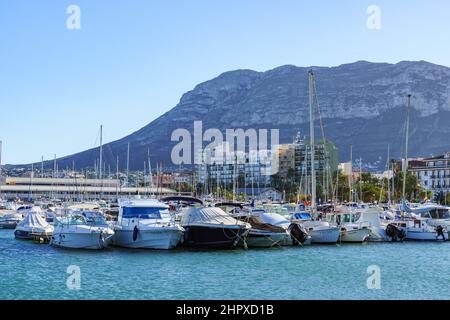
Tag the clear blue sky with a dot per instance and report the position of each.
(132, 60)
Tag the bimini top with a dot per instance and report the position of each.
(182, 199)
(209, 216)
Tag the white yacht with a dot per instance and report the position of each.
(262, 234)
(82, 230)
(350, 229)
(419, 229)
(9, 219)
(146, 224)
(320, 231)
(436, 215)
(297, 233)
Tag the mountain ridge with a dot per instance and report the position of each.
(356, 100)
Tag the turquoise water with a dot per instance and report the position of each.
(408, 271)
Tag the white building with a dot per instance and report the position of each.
(433, 173)
(225, 168)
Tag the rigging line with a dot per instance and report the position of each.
(327, 171)
(96, 139)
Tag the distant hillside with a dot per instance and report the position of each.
(362, 103)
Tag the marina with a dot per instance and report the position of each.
(31, 271)
(224, 159)
(151, 244)
(137, 242)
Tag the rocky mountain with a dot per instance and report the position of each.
(362, 104)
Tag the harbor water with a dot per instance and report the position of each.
(407, 271)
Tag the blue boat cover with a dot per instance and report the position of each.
(302, 216)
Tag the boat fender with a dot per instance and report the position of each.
(102, 239)
(135, 233)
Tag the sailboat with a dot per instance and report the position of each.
(320, 231)
(417, 227)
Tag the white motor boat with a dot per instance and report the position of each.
(320, 231)
(146, 224)
(436, 215)
(82, 230)
(298, 234)
(419, 229)
(350, 229)
(9, 219)
(34, 226)
(262, 234)
(371, 216)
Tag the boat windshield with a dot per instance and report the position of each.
(76, 219)
(143, 212)
(95, 219)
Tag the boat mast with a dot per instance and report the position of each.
(350, 178)
(1, 146)
(150, 173)
(311, 132)
(101, 161)
(128, 163)
(145, 183)
(389, 168)
(405, 165)
(42, 166)
(360, 180)
(30, 190)
(54, 177)
(118, 179)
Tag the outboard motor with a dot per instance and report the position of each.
(298, 234)
(440, 232)
(395, 233)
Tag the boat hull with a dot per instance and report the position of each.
(23, 235)
(264, 239)
(213, 237)
(355, 236)
(29, 235)
(8, 225)
(324, 236)
(425, 236)
(90, 241)
(156, 238)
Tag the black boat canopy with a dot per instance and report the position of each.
(229, 204)
(182, 199)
